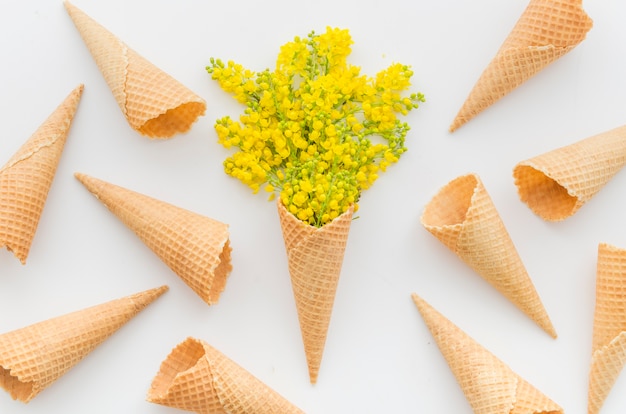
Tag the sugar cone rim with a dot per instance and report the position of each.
(569, 203)
(557, 183)
(430, 220)
(165, 378)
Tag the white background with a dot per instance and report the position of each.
(379, 355)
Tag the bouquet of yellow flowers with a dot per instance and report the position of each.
(315, 132)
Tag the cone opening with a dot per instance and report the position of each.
(221, 273)
(451, 204)
(184, 357)
(173, 121)
(19, 390)
(544, 195)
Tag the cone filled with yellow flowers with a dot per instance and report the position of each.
(315, 133)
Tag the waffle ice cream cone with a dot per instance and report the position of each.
(609, 325)
(463, 217)
(154, 104)
(33, 357)
(26, 178)
(558, 183)
(197, 377)
(547, 30)
(314, 256)
(490, 386)
(195, 247)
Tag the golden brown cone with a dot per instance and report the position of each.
(195, 247)
(155, 104)
(489, 385)
(197, 377)
(463, 217)
(26, 178)
(314, 256)
(33, 357)
(609, 325)
(558, 183)
(547, 30)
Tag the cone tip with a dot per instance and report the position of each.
(148, 296)
(88, 181)
(80, 176)
(84, 179)
(416, 299)
(68, 107)
(159, 290)
(78, 90)
(76, 94)
(458, 121)
(422, 305)
(543, 320)
(552, 332)
(68, 6)
(94, 185)
(75, 14)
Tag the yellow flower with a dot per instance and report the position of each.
(306, 131)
